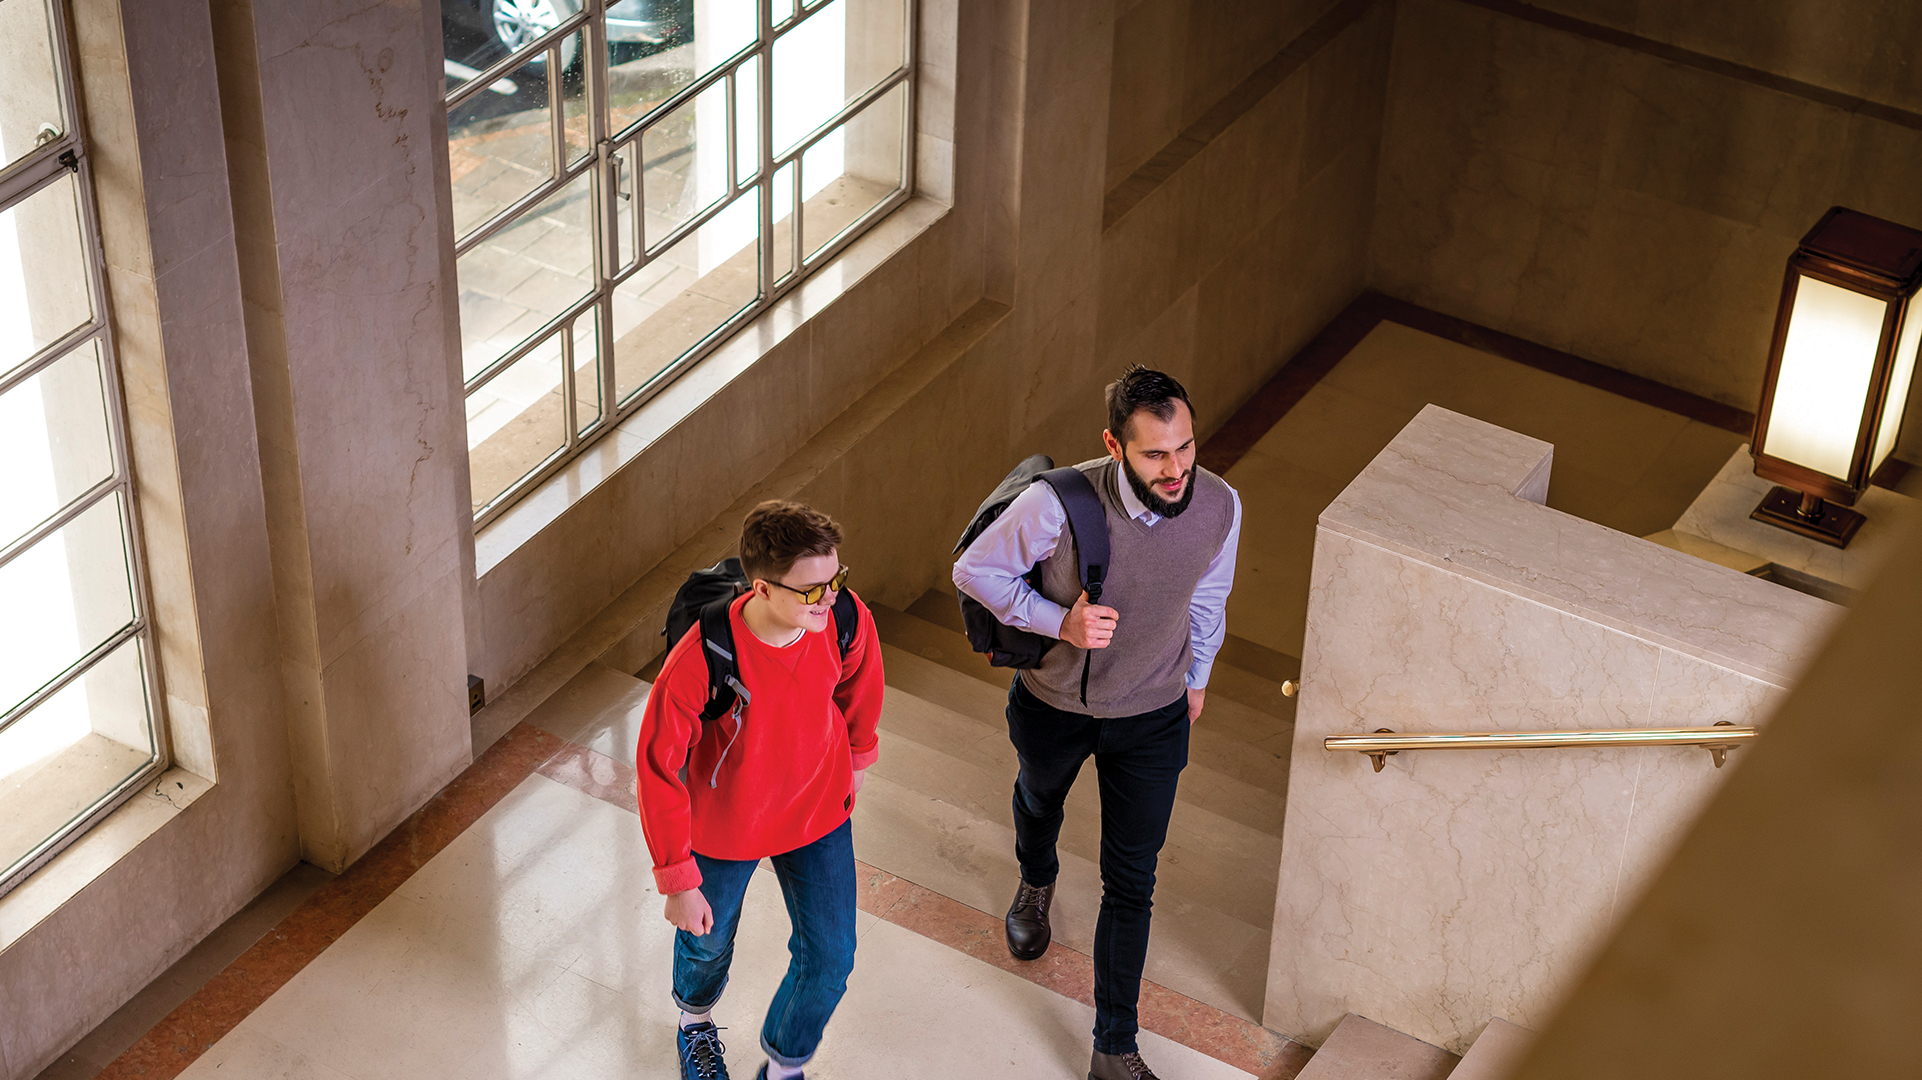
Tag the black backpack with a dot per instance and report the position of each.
(1005, 645)
(704, 599)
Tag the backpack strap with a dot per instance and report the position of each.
(1088, 523)
(723, 670)
(847, 621)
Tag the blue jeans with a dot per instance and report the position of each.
(817, 881)
(1138, 760)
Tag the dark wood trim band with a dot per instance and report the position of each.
(1714, 65)
(1316, 359)
(1182, 149)
(1264, 410)
(1570, 366)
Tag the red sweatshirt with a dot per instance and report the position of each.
(788, 779)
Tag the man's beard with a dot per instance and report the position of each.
(1154, 502)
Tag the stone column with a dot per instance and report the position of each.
(334, 132)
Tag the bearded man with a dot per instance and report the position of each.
(1148, 647)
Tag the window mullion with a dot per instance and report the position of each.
(71, 672)
(75, 507)
(764, 145)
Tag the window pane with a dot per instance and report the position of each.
(78, 746)
(62, 598)
(669, 305)
(783, 240)
(516, 421)
(43, 271)
(626, 243)
(53, 441)
(852, 170)
(579, 129)
(684, 163)
(524, 276)
(587, 372)
(636, 87)
(838, 54)
(517, 23)
(500, 146)
(30, 104)
(747, 124)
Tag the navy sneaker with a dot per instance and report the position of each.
(701, 1052)
(762, 1075)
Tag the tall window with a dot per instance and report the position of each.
(634, 180)
(78, 726)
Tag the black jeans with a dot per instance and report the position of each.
(1138, 760)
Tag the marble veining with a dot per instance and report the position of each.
(1453, 887)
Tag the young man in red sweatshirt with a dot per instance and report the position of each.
(775, 780)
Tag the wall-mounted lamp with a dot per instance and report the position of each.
(1839, 369)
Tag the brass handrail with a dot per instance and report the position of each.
(1383, 743)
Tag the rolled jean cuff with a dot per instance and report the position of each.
(782, 1059)
(690, 1008)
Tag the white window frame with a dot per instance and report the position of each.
(600, 161)
(45, 166)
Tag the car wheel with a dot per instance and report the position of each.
(517, 22)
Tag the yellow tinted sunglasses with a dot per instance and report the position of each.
(814, 593)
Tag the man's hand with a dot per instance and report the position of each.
(688, 911)
(1089, 626)
(860, 777)
(1195, 696)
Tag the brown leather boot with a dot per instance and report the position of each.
(1028, 933)
(1119, 1067)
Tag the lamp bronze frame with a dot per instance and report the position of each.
(1872, 257)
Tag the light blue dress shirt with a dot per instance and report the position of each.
(991, 570)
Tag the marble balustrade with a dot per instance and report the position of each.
(1456, 886)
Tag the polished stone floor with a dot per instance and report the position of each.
(531, 943)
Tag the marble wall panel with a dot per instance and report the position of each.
(1457, 885)
(1060, 197)
(1147, 94)
(363, 455)
(1141, 258)
(1547, 183)
(1791, 895)
(1859, 47)
(1449, 883)
(1226, 42)
(1246, 176)
(391, 672)
(1347, 82)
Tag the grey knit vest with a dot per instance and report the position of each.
(1151, 580)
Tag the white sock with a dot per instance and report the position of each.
(689, 1019)
(778, 1071)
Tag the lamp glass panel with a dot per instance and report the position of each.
(1899, 380)
(1824, 378)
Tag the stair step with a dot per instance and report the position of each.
(935, 811)
(1256, 806)
(1208, 857)
(1231, 738)
(1361, 1049)
(1495, 1052)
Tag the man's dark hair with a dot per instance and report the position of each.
(1143, 388)
(778, 532)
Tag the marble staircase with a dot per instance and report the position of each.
(936, 809)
